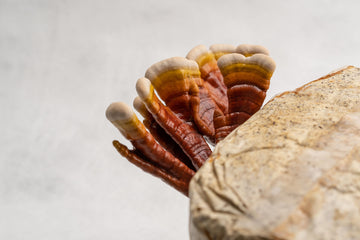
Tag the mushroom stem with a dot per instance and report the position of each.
(132, 156)
(126, 121)
(160, 134)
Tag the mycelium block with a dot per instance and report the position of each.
(292, 171)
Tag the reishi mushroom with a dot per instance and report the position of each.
(189, 103)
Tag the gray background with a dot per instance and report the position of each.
(61, 64)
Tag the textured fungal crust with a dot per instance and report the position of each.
(187, 103)
(290, 172)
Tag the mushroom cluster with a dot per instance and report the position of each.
(187, 104)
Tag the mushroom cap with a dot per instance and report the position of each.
(259, 59)
(249, 49)
(197, 52)
(221, 49)
(118, 111)
(143, 88)
(174, 63)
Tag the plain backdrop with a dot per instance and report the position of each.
(62, 62)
